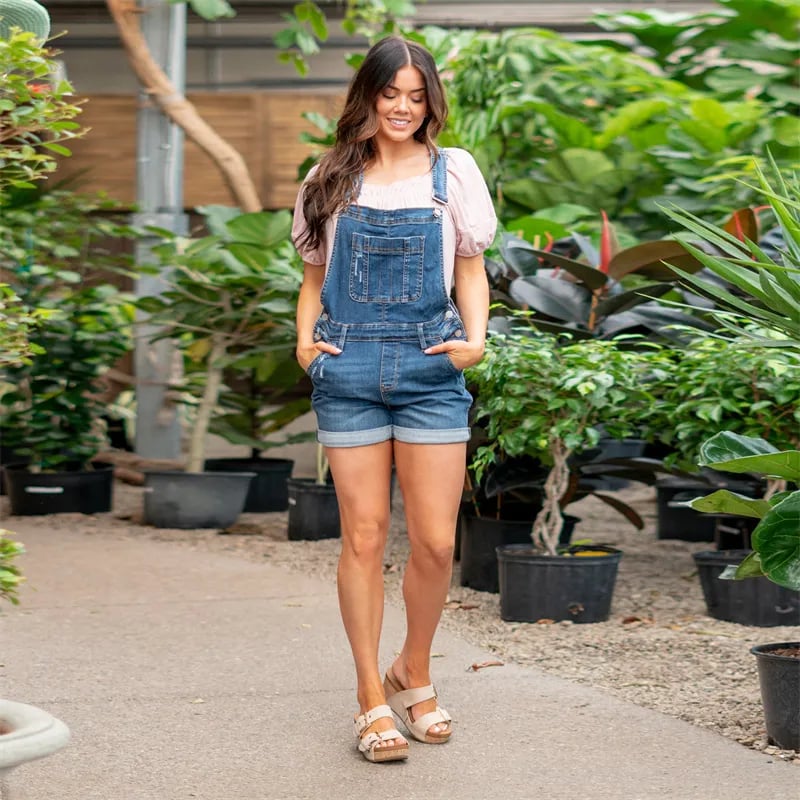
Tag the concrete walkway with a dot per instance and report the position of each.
(191, 674)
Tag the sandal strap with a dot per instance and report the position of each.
(410, 697)
(374, 738)
(437, 717)
(366, 719)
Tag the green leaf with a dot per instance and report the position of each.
(777, 541)
(750, 567)
(787, 130)
(629, 117)
(210, 9)
(262, 228)
(726, 502)
(731, 452)
(530, 226)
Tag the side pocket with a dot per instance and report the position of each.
(313, 369)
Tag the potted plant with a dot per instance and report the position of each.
(497, 509)
(544, 397)
(262, 398)
(767, 294)
(56, 256)
(714, 383)
(228, 301)
(763, 587)
(313, 507)
(265, 391)
(37, 118)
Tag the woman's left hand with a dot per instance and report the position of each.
(462, 354)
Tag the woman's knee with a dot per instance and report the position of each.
(365, 540)
(437, 555)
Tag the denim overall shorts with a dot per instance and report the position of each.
(384, 301)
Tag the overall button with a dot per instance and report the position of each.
(323, 316)
(458, 332)
(448, 314)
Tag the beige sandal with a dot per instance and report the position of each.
(400, 700)
(370, 745)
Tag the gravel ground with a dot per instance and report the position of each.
(658, 649)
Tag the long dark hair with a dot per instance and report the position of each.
(329, 188)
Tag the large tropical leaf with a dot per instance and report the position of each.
(731, 452)
(627, 300)
(726, 502)
(518, 254)
(668, 323)
(648, 259)
(261, 228)
(777, 541)
(591, 277)
(553, 297)
(627, 511)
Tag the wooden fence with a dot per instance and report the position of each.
(263, 126)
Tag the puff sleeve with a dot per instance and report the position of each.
(470, 203)
(299, 227)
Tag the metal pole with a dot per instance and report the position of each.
(159, 189)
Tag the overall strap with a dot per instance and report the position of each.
(439, 170)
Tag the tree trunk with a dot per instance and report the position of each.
(156, 83)
(548, 522)
(197, 443)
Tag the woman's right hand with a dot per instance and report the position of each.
(305, 355)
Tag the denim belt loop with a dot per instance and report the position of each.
(423, 339)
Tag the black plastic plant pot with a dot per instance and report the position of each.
(8, 457)
(752, 601)
(480, 538)
(68, 492)
(779, 677)
(675, 520)
(576, 587)
(194, 499)
(268, 490)
(313, 510)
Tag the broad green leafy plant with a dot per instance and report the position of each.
(776, 538)
(555, 123)
(229, 304)
(609, 292)
(737, 47)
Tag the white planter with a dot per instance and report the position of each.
(30, 733)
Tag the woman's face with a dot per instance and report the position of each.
(401, 106)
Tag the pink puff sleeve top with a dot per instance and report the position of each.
(468, 227)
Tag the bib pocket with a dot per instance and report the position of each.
(386, 269)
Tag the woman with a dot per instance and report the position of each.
(386, 224)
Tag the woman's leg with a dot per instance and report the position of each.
(432, 478)
(362, 476)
